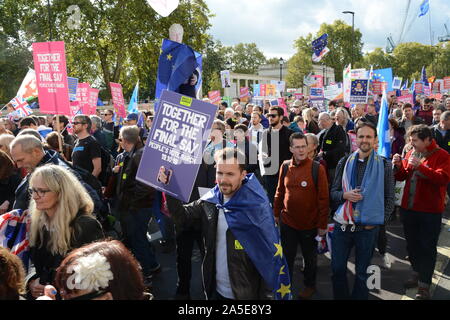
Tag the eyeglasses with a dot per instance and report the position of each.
(40, 192)
(270, 115)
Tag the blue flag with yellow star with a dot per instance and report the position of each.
(250, 218)
(384, 75)
(176, 65)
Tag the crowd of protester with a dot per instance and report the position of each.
(77, 190)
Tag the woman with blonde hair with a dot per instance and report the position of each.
(61, 220)
(343, 119)
(311, 123)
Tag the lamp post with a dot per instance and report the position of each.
(281, 62)
(353, 31)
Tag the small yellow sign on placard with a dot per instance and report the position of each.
(186, 101)
(237, 245)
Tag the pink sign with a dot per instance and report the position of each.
(283, 105)
(377, 87)
(93, 97)
(405, 92)
(391, 93)
(83, 97)
(262, 90)
(214, 96)
(447, 83)
(244, 94)
(406, 99)
(118, 100)
(418, 87)
(298, 96)
(51, 77)
(426, 91)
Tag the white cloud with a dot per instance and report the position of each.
(274, 25)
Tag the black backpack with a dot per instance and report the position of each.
(315, 171)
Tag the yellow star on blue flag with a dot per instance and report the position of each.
(284, 290)
(279, 250)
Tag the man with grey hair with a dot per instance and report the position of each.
(97, 131)
(441, 131)
(332, 143)
(27, 152)
(135, 201)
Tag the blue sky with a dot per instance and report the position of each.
(274, 24)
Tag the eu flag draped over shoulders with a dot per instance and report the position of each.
(250, 218)
(384, 137)
(176, 64)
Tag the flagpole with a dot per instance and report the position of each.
(429, 19)
(57, 116)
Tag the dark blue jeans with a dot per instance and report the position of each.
(342, 243)
(134, 226)
(270, 184)
(422, 234)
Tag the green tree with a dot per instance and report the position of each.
(117, 40)
(441, 61)
(213, 62)
(245, 58)
(377, 58)
(300, 64)
(410, 57)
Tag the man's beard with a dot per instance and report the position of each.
(274, 124)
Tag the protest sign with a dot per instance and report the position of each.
(437, 85)
(214, 96)
(346, 83)
(28, 88)
(93, 97)
(262, 90)
(51, 77)
(225, 78)
(279, 85)
(316, 93)
(404, 92)
(446, 83)
(83, 97)
(271, 90)
(406, 99)
(282, 104)
(318, 81)
(426, 90)
(298, 96)
(176, 141)
(73, 84)
(333, 91)
(358, 74)
(359, 91)
(118, 100)
(397, 83)
(75, 109)
(244, 94)
(377, 87)
(391, 93)
(256, 90)
(418, 87)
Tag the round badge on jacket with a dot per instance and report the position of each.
(303, 184)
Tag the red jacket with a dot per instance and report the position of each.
(426, 192)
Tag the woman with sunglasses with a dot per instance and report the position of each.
(61, 220)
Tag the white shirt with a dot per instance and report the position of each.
(223, 284)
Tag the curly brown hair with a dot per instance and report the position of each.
(128, 282)
(12, 276)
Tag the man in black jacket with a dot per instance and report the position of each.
(332, 143)
(441, 131)
(275, 150)
(27, 152)
(135, 203)
(228, 269)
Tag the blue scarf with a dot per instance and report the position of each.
(250, 219)
(370, 210)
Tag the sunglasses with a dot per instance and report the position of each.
(272, 115)
(75, 123)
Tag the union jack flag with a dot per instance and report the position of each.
(21, 106)
(14, 234)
